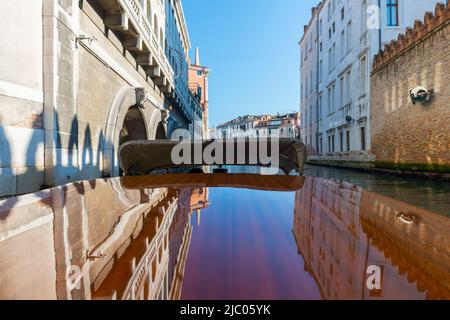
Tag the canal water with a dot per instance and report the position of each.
(236, 237)
(427, 194)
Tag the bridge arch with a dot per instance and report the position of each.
(131, 117)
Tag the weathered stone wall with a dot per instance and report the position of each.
(404, 135)
(91, 86)
(63, 97)
(67, 82)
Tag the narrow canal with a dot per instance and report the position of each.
(422, 193)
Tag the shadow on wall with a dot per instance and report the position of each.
(78, 165)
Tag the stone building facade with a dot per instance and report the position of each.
(408, 136)
(337, 50)
(78, 78)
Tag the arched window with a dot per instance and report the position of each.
(149, 11)
(155, 26)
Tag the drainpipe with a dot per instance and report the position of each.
(379, 27)
(317, 82)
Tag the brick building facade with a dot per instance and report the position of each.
(408, 136)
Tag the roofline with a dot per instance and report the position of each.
(273, 117)
(317, 11)
(182, 23)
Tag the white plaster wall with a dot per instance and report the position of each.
(21, 48)
(21, 97)
(362, 43)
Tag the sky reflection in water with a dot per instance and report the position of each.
(123, 239)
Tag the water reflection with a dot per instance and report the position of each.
(432, 195)
(134, 239)
(342, 231)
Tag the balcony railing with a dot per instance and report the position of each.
(129, 18)
(139, 19)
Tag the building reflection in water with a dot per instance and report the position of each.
(342, 231)
(100, 240)
(97, 240)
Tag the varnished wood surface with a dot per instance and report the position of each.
(244, 181)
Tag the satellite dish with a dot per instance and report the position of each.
(420, 94)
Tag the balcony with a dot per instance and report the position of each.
(127, 18)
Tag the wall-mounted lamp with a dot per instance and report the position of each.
(420, 95)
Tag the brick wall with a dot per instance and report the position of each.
(403, 134)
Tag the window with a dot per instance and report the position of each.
(330, 64)
(306, 88)
(363, 17)
(348, 140)
(334, 27)
(329, 101)
(362, 76)
(199, 73)
(332, 143)
(320, 71)
(333, 99)
(321, 47)
(343, 50)
(334, 54)
(329, 33)
(347, 87)
(306, 117)
(363, 138)
(321, 144)
(392, 13)
(149, 11)
(349, 36)
(342, 93)
(320, 108)
(155, 25)
(341, 140)
(342, 13)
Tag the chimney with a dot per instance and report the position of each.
(197, 57)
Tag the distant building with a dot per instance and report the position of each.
(213, 133)
(285, 126)
(196, 127)
(337, 51)
(199, 86)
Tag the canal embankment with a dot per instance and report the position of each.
(432, 195)
(418, 171)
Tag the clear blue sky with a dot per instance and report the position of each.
(252, 49)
